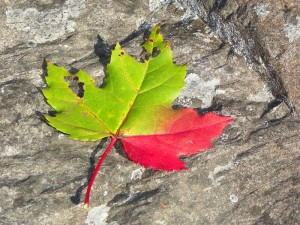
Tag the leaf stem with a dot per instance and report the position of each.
(91, 181)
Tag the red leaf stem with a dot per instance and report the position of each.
(91, 181)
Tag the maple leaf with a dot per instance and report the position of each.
(132, 106)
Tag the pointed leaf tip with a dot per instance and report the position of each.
(155, 41)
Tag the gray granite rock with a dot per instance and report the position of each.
(242, 60)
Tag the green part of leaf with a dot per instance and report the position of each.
(155, 40)
(162, 82)
(75, 116)
(132, 96)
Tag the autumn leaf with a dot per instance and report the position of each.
(132, 106)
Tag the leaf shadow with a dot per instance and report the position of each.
(76, 198)
(103, 50)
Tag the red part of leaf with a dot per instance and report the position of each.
(187, 135)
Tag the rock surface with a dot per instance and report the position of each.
(242, 59)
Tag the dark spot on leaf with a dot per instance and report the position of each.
(150, 40)
(147, 57)
(76, 87)
(52, 113)
(155, 52)
(121, 53)
(80, 93)
(146, 35)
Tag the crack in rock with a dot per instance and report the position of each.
(237, 38)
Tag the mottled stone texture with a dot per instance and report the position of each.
(242, 59)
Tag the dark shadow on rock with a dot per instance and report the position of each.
(123, 199)
(129, 204)
(76, 198)
(216, 106)
(103, 50)
(119, 149)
